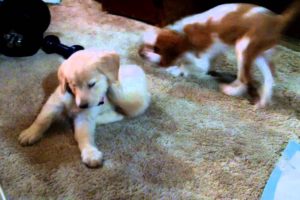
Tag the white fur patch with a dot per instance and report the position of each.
(234, 89)
(91, 156)
(202, 63)
(266, 92)
(150, 37)
(109, 117)
(242, 44)
(177, 71)
(218, 47)
(269, 53)
(219, 12)
(240, 47)
(256, 10)
(203, 59)
(153, 57)
(216, 14)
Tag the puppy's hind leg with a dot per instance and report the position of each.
(266, 91)
(244, 62)
(131, 92)
(52, 108)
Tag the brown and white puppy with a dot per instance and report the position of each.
(251, 29)
(92, 85)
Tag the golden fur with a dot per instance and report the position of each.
(87, 78)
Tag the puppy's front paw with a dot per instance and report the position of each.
(92, 157)
(29, 136)
(177, 71)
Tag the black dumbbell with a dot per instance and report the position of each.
(22, 26)
(51, 44)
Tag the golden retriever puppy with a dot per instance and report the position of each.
(92, 85)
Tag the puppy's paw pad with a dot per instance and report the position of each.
(92, 157)
(29, 136)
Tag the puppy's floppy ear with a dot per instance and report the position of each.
(109, 63)
(62, 79)
(198, 35)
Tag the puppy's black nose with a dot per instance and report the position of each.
(84, 106)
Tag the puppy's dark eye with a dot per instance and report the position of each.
(90, 85)
(156, 49)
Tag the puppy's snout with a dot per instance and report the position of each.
(84, 105)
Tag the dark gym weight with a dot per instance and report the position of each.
(51, 44)
(22, 26)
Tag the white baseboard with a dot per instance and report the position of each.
(52, 1)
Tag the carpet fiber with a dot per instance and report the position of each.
(192, 143)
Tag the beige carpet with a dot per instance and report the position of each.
(192, 143)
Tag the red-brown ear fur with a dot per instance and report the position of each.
(171, 45)
(199, 36)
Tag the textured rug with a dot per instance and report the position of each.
(192, 143)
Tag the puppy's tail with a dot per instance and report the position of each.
(290, 13)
